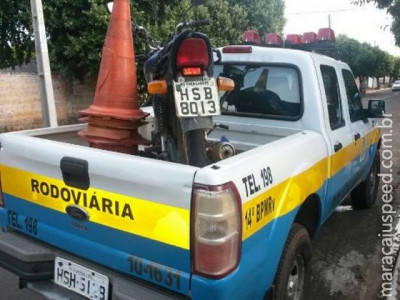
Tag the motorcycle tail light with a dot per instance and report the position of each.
(193, 52)
(216, 230)
(191, 71)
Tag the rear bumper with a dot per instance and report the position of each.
(33, 262)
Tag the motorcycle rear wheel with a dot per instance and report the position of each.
(196, 148)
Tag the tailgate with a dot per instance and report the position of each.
(128, 213)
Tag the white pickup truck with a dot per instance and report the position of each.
(82, 222)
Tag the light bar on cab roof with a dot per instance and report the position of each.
(251, 37)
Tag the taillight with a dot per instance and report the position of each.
(237, 49)
(1, 194)
(191, 71)
(193, 52)
(217, 230)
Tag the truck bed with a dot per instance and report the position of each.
(137, 209)
(243, 136)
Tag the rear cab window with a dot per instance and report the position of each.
(263, 91)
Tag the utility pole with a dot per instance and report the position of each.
(49, 113)
(329, 21)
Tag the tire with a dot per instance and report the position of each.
(190, 146)
(364, 195)
(196, 148)
(294, 270)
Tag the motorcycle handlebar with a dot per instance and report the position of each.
(191, 24)
(198, 23)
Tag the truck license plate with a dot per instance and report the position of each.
(81, 280)
(197, 98)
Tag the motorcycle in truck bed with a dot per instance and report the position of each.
(83, 222)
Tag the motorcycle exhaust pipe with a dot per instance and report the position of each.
(221, 151)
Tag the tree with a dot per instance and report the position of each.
(363, 59)
(392, 7)
(367, 61)
(229, 18)
(76, 29)
(395, 74)
(76, 33)
(227, 21)
(348, 50)
(264, 15)
(16, 45)
(386, 66)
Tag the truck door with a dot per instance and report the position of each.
(359, 126)
(339, 134)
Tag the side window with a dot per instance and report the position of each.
(332, 93)
(353, 97)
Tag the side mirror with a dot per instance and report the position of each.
(376, 109)
(198, 2)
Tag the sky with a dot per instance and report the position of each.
(365, 24)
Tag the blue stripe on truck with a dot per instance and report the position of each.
(125, 252)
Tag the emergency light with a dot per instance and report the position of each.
(251, 37)
(293, 40)
(273, 40)
(309, 41)
(309, 38)
(326, 34)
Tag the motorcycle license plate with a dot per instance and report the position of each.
(197, 98)
(81, 280)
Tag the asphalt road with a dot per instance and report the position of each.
(347, 251)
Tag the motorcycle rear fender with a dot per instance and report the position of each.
(177, 43)
(189, 124)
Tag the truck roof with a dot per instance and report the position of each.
(259, 54)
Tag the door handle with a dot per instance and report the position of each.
(337, 147)
(75, 172)
(357, 136)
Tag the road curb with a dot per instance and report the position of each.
(376, 91)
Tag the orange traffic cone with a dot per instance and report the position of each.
(115, 115)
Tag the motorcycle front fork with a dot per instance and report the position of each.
(163, 143)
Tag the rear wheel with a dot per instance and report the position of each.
(293, 275)
(364, 195)
(196, 148)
